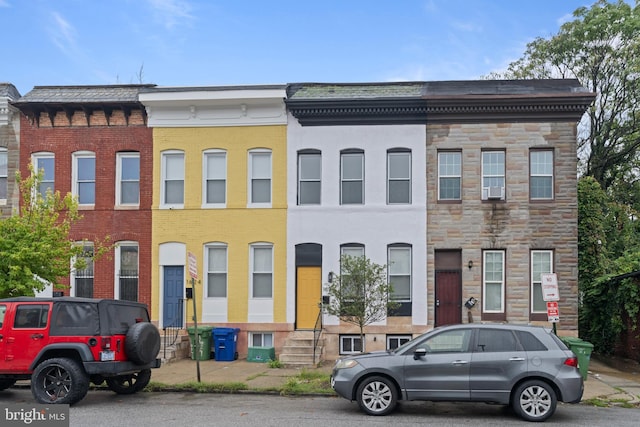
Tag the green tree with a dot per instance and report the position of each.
(360, 294)
(601, 48)
(35, 248)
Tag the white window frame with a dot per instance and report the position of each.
(402, 339)
(166, 155)
(213, 175)
(449, 171)
(263, 337)
(118, 265)
(489, 177)
(217, 269)
(45, 183)
(255, 271)
(75, 187)
(4, 174)
(302, 180)
(536, 172)
(74, 272)
(353, 344)
(493, 281)
(536, 277)
(120, 157)
(391, 272)
(254, 176)
(394, 176)
(360, 179)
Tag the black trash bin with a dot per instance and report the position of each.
(225, 343)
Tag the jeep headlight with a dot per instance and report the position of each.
(345, 363)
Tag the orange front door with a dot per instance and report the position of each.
(308, 296)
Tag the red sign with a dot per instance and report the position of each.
(553, 314)
(193, 265)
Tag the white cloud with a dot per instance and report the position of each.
(171, 13)
(63, 34)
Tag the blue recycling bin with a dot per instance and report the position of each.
(225, 343)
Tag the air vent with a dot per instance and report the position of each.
(495, 193)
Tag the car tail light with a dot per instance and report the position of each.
(571, 361)
(105, 343)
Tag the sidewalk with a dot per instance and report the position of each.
(604, 382)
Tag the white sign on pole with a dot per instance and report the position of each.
(193, 265)
(550, 287)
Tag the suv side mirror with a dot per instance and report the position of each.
(419, 353)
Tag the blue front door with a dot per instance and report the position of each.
(173, 296)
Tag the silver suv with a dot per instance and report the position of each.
(526, 367)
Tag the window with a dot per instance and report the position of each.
(215, 173)
(398, 177)
(541, 263)
(260, 177)
(173, 178)
(84, 177)
(128, 271)
(4, 173)
(45, 163)
(216, 268)
(260, 339)
(530, 342)
(350, 344)
(128, 179)
(493, 281)
(395, 341)
(496, 340)
(349, 288)
(309, 178)
(449, 175)
(352, 178)
(541, 179)
(399, 269)
(454, 341)
(31, 316)
(493, 168)
(262, 271)
(83, 279)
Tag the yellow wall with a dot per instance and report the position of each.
(236, 225)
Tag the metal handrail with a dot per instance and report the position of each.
(172, 330)
(317, 331)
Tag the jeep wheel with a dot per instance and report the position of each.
(129, 384)
(5, 383)
(142, 343)
(59, 381)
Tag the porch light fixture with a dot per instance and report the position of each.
(331, 276)
(470, 264)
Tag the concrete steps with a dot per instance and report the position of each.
(298, 349)
(180, 349)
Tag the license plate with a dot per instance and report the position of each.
(107, 356)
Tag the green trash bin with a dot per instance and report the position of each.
(582, 350)
(204, 342)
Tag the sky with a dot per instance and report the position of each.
(254, 42)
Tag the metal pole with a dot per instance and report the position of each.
(196, 337)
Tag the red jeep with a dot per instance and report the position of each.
(63, 344)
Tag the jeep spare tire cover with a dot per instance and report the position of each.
(142, 343)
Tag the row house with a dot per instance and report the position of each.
(465, 190)
(93, 142)
(243, 199)
(9, 149)
(219, 174)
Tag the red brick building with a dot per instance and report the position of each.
(93, 142)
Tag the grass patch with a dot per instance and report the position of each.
(596, 402)
(307, 382)
(276, 364)
(199, 387)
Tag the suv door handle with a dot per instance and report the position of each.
(459, 362)
(516, 359)
(37, 336)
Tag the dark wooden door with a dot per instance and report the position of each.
(448, 289)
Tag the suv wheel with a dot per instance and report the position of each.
(59, 380)
(142, 343)
(129, 384)
(534, 400)
(377, 396)
(5, 383)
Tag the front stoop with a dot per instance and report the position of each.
(298, 349)
(179, 350)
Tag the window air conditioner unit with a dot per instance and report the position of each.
(495, 193)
